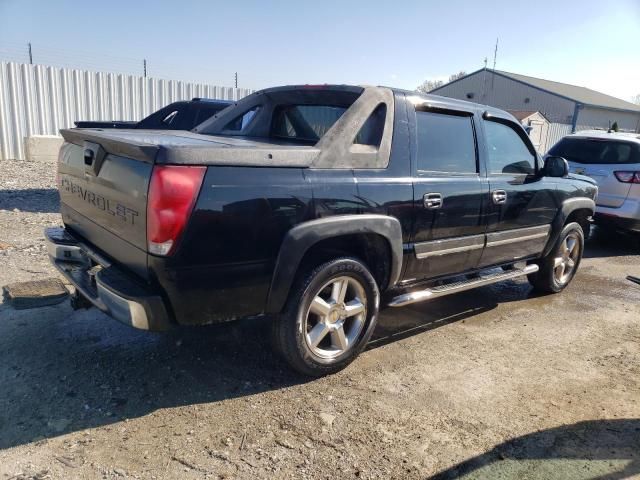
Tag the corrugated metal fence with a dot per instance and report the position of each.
(40, 100)
(556, 132)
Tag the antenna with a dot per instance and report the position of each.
(144, 66)
(236, 78)
(30, 54)
(495, 54)
(493, 72)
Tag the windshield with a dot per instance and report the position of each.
(597, 151)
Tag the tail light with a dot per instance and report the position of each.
(172, 194)
(628, 177)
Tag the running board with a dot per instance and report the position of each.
(448, 289)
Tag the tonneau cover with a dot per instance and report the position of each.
(181, 147)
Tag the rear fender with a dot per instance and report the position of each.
(302, 237)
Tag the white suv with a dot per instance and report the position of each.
(613, 160)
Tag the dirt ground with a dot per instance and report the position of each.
(492, 383)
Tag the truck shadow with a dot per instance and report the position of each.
(64, 371)
(34, 200)
(595, 449)
(399, 323)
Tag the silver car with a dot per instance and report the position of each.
(613, 160)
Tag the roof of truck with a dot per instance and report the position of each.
(411, 94)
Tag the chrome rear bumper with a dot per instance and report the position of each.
(107, 287)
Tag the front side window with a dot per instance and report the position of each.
(507, 151)
(446, 143)
(305, 123)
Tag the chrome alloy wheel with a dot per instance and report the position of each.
(336, 317)
(565, 263)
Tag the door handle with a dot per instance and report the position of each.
(499, 197)
(432, 200)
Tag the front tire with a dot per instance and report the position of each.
(328, 318)
(559, 267)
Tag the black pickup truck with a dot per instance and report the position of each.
(182, 115)
(313, 206)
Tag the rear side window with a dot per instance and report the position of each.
(305, 123)
(596, 151)
(507, 151)
(241, 122)
(446, 143)
(372, 130)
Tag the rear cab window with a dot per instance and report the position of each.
(301, 115)
(594, 151)
(304, 123)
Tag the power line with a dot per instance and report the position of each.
(84, 60)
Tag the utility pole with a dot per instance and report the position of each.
(30, 54)
(144, 66)
(236, 76)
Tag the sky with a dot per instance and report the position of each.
(591, 43)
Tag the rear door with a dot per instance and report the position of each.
(449, 195)
(522, 203)
(600, 158)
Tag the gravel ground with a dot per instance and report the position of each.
(493, 383)
(28, 203)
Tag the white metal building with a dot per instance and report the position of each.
(568, 108)
(536, 124)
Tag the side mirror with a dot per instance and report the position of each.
(555, 167)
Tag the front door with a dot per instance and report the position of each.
(522, 203)
(449, 195)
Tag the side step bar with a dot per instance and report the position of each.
(448, 289)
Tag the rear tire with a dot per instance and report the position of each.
(559, 267)
(329, 317)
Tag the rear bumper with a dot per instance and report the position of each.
(107, 287)
(625, 217)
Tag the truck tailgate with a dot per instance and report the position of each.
(103, 199)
